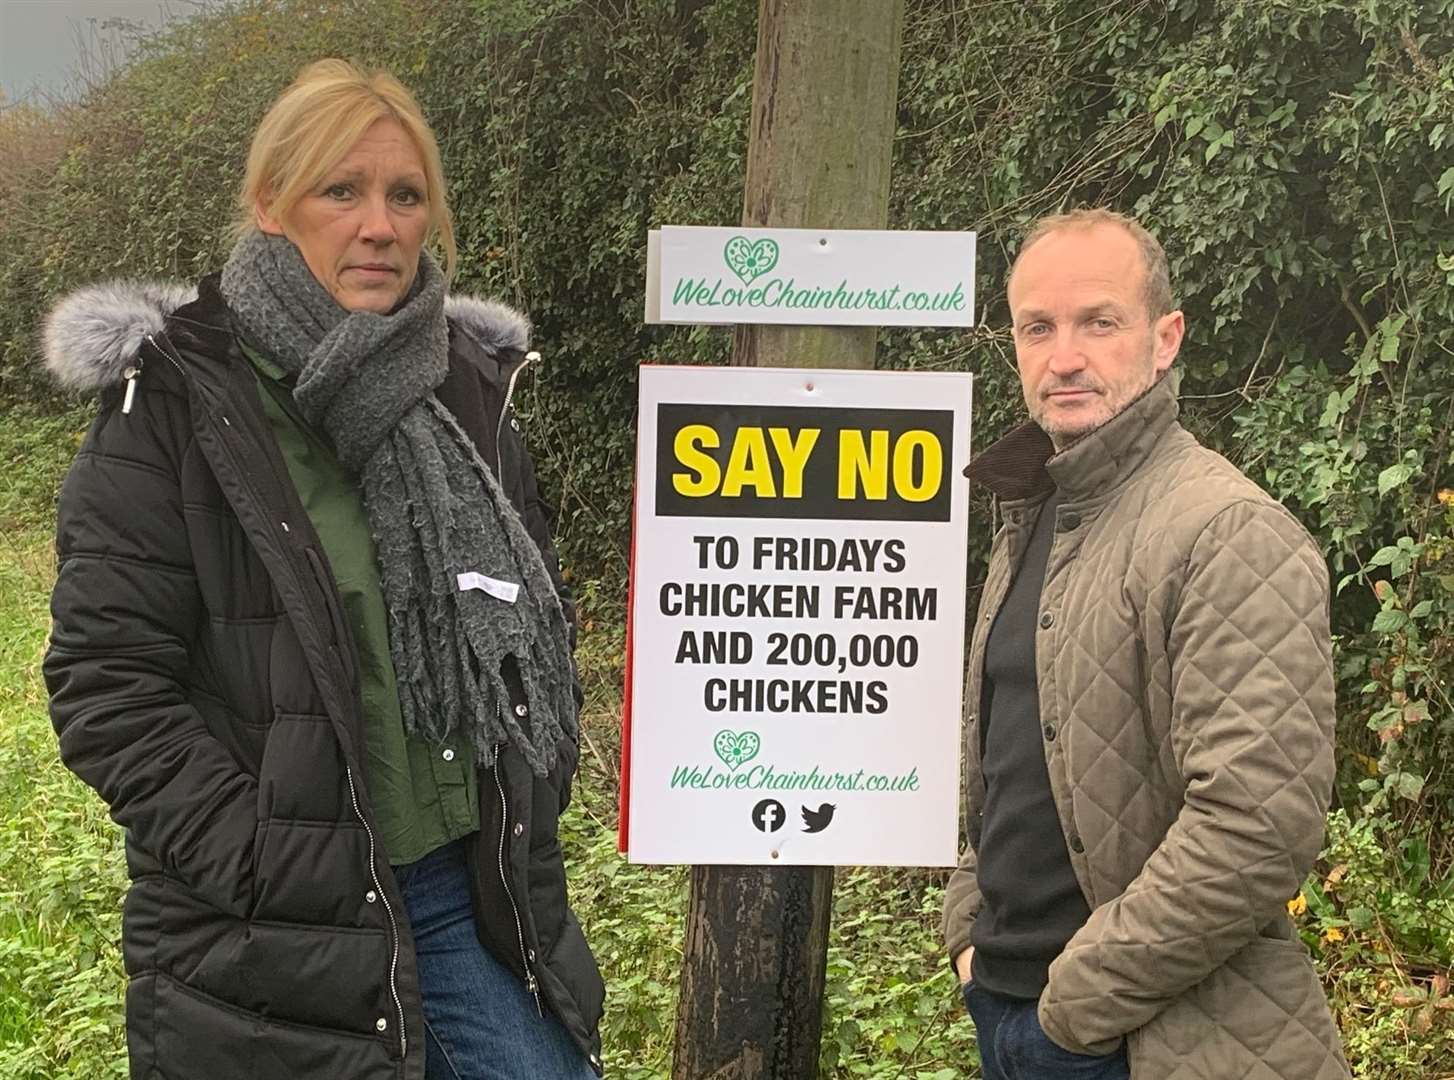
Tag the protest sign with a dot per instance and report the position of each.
(797, 626)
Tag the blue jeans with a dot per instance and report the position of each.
(1013, 1046)
(480, 1023)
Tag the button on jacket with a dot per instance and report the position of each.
(203, 680)
(1184, 663)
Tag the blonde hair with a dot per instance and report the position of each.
(314, 123)
(1155, 289)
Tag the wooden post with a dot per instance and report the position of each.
(824, 98)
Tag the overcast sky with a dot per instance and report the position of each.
(39, 39)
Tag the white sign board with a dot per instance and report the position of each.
(821, 277)
(796, 637)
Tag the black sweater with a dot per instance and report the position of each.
(1032, 901)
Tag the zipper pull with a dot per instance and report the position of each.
(533, 985)
(130, 375)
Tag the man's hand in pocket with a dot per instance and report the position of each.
(962, 964)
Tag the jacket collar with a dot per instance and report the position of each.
(1024, 464)
(96, 333)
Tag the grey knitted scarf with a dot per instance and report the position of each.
(367, 381)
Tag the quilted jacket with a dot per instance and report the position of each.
(202, 680)
(1186, 699)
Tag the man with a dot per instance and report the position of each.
(1150, 740)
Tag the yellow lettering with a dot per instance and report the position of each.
(868, 465)
(687, 447)
(931, 468)
(794, 456)
(749, 466)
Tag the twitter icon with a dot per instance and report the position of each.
(819, 819)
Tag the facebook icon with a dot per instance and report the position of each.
(769, 815)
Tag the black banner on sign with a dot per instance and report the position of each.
(786, 461)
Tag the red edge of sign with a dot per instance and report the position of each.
(623, 827)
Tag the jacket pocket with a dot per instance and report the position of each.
(305, 827)
(198, 1035)
(570, 964)
(565, 772)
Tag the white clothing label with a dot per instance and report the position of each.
(500, 590)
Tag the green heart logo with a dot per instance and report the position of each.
(734, 748)
(750, 260)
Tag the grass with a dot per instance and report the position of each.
(61, 869)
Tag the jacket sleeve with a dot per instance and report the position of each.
(125, 610)
(962, 898)
(537, 523)
(537, 517)
(1252, 715)
(961, 904)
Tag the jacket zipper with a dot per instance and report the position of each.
(389, 911)
(352, 791)
(530, 358)
(373, 846)
(531, 983)
(133, 372)
(130, 374)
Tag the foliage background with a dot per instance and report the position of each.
(1293, 155)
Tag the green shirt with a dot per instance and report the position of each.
(423, 795)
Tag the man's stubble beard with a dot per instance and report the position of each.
(1114, 401)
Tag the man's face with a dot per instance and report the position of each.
(1085, 345)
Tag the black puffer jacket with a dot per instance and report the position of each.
(202, 681)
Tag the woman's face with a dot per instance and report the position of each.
(361, 229)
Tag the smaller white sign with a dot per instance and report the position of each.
(810, 277)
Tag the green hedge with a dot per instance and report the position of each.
(1293, 155)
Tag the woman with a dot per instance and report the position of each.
(310, 639)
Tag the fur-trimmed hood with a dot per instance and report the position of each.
(95, 333)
